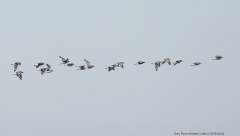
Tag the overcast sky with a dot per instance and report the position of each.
(136, 100)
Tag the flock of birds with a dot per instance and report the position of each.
(89, 66)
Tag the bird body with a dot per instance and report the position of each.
(82, 67)
(196, 64)
(176, 62)
(218, 57)
(110, 68)
(48, 71)
(139, 63)
(39, 64)
(16, 65)
(69, 64)
(166, 60)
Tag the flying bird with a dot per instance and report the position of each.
(69, 64)
(43, 70)
(16, 65)
(89, 66)
(82, 67)
(176, 62)
(120, 64)
(196, 64)
(157, 64)
(218, 57)
(166, 60)
(110, 68)
(19, 74)
(139, 63)
(64, 61)
(39, 64)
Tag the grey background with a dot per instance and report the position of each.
(135, 101)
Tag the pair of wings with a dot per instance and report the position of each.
(158, 64)
(168, 61)
(120, 64)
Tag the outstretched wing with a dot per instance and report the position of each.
(62, 58)
(19, 75)
(15, 66)
(48, 66)
(88, 63)
(156, 67)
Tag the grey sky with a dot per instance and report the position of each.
(136, 100)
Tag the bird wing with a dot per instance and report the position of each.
(61, 58)
(19, 75)
(48, 66)
(156, 67)
(15, 66)
(88, 63)
(121, 65)
(163, 62)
